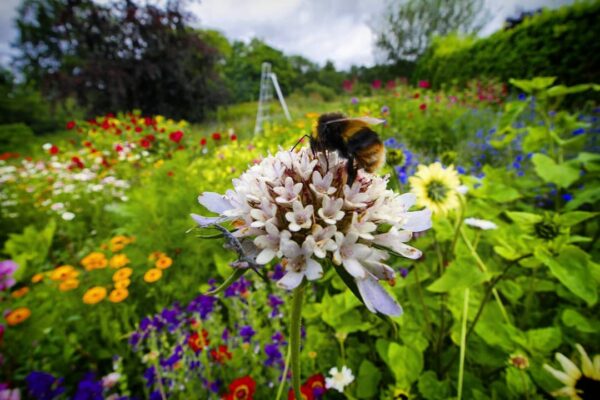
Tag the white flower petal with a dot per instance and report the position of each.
(290, 280)
(418, 221)
(376, 298)
(214, 202)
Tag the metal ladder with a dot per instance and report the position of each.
(268, 78)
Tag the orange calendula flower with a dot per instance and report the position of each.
(163, 262)
(63, 272)
(17, 316)
(118, 261)
(122, 284)
(68, 284)
(119, 242)
(155, 255)
(118, 295)
(17, 294)
(123, 273)
(37, 278)
(152, 275)
(94, 295)
(95, 260)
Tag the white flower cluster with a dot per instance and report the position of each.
(296, 206)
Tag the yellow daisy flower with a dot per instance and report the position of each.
(436, 188)
(68, 284)
(63, 272)
(95, 260)
(122, 284)
(163, 262)
(17, 316)
(118, 243)
(118, 261)
(580, 384)
(94, 295)
(123, 273)
(17, 294)
(152, 275)
(37, 278)
(118, 295)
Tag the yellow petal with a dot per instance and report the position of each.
(586, 364)
(568, 366)
(559, 375)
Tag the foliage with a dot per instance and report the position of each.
(409, 25)
(554, 43)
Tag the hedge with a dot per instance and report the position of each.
(564, 43)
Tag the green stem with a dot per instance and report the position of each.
(457, 226)
(463, 344)
(423, 305)
(295, 325)
(284, 376)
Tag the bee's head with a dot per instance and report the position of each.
(330, 122)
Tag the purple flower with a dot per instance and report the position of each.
(89, 389)
(354, 100)
(278, 338)
(403, 272)
(150, 376)
(203, 305)
(246, 332)
(274, 303)
(7, 269)
(173, 359)
(278, 272)
(44, 386)
(225, 335)
(273, 355)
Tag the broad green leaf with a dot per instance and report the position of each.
(431, 388)
(29, 248)
(573, 319)
(551, 172)
(406, 364)
(524, 218)
(544, 340)
(588, 195)
(575, 217)
(382, 346)
(533, 85)
(562, 90)
(518, 382)
(570, 267)
(460, 274)
(368, 380)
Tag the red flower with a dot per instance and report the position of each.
(305, 393)
(138, 129)
(118, 148)
(77, 162)
(203, 142)
(347, 85)
(198, 342)
(424, 84)
(417, 95)
(316, 383)
(423, 106)
(216, 136)
(151, 137)
(105, 124)
(221, 355)
(233, 137)
(170, 173)
(241, 389)
(53, 150)
(148, 121)
(390, 85)
(70, 125)
(145, 143)
(376, 84)
(176, 136)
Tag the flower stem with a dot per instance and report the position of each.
(295, 326)
(285, 372)
(463, 345)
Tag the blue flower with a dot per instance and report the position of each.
(44, 386)
(203, 305)
(273, 355)
(89, 389)
(522, 96)
(460, 170)
(246, 332)
(403, 272)
(150, 376)
(577, 132)
(567, 197)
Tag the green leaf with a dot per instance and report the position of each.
(588, 195)
(523, 218)
(431, 388)
(29, 248)
(460, 274)
(368, 380)
(544, 340)
(533, 85)
(562, 90)
(406, 364)
(382, 346)
(518, 382)
(573, 319)
(560, 174)
(570, 267)
(575, 217)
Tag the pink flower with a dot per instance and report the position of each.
(424, 84)
(376, 84)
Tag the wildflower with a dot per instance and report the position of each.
(198, 341)
(68, 284)
(37, 278)
(152, 275)
(42, 385)
(339, 379)
(305, 392)
(17, 294)
(216, 136)
(580, 384)
(63, 273)
(241, 389)
(246, 333)
(67, 216)
(424, 84)
(122, 274)
(221, 354)
(481, 224)
(88, 388)
(118, 243)
(163, 262)
(118, 295)
(94, 260)
(53, 150)
(94, 295)
(324, 218)
(17, 316)
(436, 187)
(203, 142)
(274, 356)
(156, 255)
(176, 136)
(7, 269)
(118, 261)
(110, 380)
(423, 107)
(316, 384)
(122, 284)
(9, 394)
(519, 361)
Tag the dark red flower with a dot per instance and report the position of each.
(376, 84)
(305, 393)
(170, 173)
(110, 115)
(216, 136)
(241, 389)
(198, 342)
(105, 124)
(203, 142)
(221, 355)
(176, 136)
(316, 383)
(347, 85)
(416, 95)
(423, 106)
(138, 129)
(151, 137)
(118, 148)
(424, 84)
(145, 143)
(53, 150)
(70, 125)
(118, 131)
(76, 162)
(148, 121)
(390, 85)
(233, 137)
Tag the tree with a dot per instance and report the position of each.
(408, 26)
(119, 56)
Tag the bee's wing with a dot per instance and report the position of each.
(366, 120)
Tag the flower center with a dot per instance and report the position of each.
(437, 191)
(587, 388)
(242, 392)
(545, 230)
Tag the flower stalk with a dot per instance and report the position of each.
(295, 328)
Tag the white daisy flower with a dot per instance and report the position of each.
(482, 224)
(339, 379)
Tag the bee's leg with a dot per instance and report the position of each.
(299, 141)
(351, 171)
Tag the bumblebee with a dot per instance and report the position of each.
(352, 139)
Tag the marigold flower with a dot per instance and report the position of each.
(152, 275)
(68, 284)
(156, 255)
(17, 316)
(118, 261)
(63, 272)
(118, 295)
(94, 295)
(122, 284)
(95, 260)
(118, 243)
(296, 206)
(17, 294)
(123, 273)
(37, 278)
(163, 262)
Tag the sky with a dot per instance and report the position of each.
(320, 30)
